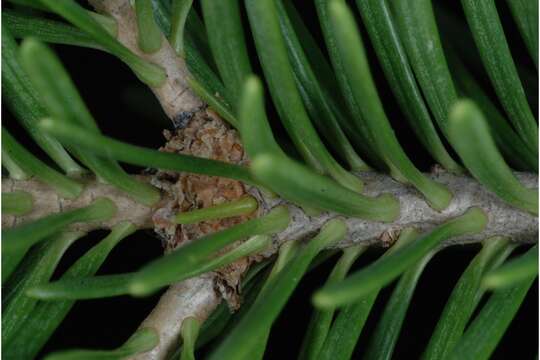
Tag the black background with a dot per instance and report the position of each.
(127, 110)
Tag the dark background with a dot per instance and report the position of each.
(126, 109)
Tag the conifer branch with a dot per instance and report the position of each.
(195, 297)
(504, 220)
(198, 297)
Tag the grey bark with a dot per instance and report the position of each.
(175, 96)
(46, 202)
(191, 298)
(503, 219)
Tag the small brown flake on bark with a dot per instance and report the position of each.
(389, 237)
